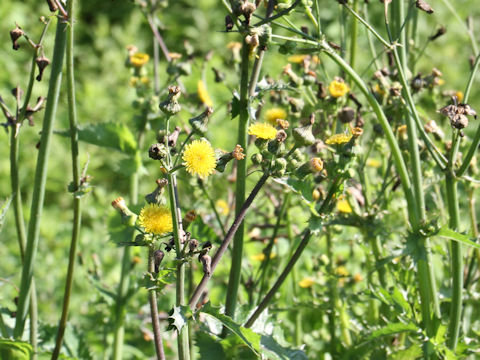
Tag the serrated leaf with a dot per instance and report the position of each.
(445, 232)
(303, 187)
(110, 135)
(399, 299)
(159, 280)
(251, 339)
(393, 328)
(18, 350)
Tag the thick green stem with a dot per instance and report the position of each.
(353, 37)
(152, 297)
(456, 264)
(237, 253)
(40, 178)
(77, 217)
(333, 295)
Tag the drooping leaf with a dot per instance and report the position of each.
(111, 135)
(251, 339)
(18, 350)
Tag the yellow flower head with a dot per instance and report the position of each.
(338, 88)
(156, 219)
(459, 96)
(261, 256)
(342, 271)
(203, 94)
(338, 139)
(262, 131)
(222, 205)
(306, 282)
(139, 59)
(374, 163)
(343, 205)
(273, 114)
(199, 158)
(296, 59)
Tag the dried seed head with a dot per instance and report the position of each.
(42, 63)
(193, 244)
(281, 136)
(284, 124)
(158, 256)
(189, 218)
(15, 34)
(206, 261)
(424, 6)
(228, 23)
(157, 151)
(173, 137)
(441, 31)
(346, 115)
(459, 121)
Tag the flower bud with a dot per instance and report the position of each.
(294, 78)
(313, 166)
(156, 197)
(42, 63)
(276, 147)
(296, 105)
(200, 122)
(128, 217)
(15, 34)
(303, 135)
(171, 106)
(193, 244)
(279, 167)
(173, 137)
(346, 115)
(257, 158)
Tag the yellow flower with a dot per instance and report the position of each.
(296, 59)
(343, 205)
(203, 94)
(357, 277)
(139, 59)
(374, 163)
(338, 88)
(199, 158)
(377, 89)
(133, 81)
(306, 282)
(145, 80)
(261, 256)
(156, 219)
(342, 271)
(459, 96)
(338, 139)
(262, 131)
(222, 205)
(275, 113)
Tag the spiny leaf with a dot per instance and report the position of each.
(179, 316)
(393, 328)
(251, 339)
(445, 232)
(18, 350)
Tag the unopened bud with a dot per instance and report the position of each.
(156, 197)
(346, 115)
(189, 218)
(200, 122)
(303, 135)
(173, 137)
(128, 217)
(171, 106)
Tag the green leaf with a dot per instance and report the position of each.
(235, 105)
(202, 232)
(393, 328)
(159, 280)
(413, 352)
(303, 187)
(288, 47)
(110, 135)
(274, 350)
(15, 350)
(455, 236)
(251, 339)
(208, 346)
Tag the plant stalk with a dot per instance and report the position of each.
(152, 298)
(77, 216)
(40, 178)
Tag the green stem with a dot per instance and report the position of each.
(353, 37)
(183, 342)
(237, 252)
(333, 295)
(77, 217)
(456, 264)
(152, 297)
(40, 179)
